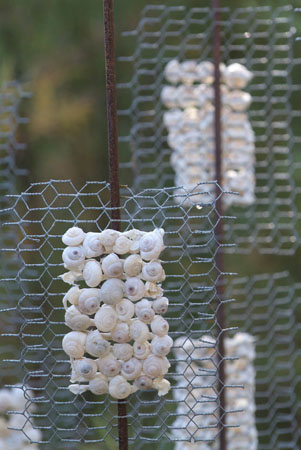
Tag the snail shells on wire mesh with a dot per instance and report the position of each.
(109, 365)
(153, 271)
(96, 345)
(71, 296)
(144, 303)
(131, 369)
(76, 320)
(125, 310)
(106, 318)
(144, 382)
(172, 71)
(74, 344)
(92, 245)
(119, 388)
(237, 76)
(92, 273)
(112, 266)
(141, 349)
(73, 257)
(155, 366)
(123, 351)
(99, 384)
(121, 333)
(73, 237)
(159, 326)
(108, 239)
(145, 314)
(133, 265)
(122, 245)
(89, 301)
(139, 331)
(134, 288)
(112, 290)
(161, 345)
(83, 369)
(160, 305)
(162, 385)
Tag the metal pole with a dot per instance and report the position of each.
(219, 229)
(108, 10)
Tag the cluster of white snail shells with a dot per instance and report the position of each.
(190, 124)
(196, 416)
(119, 340)
(16, 431)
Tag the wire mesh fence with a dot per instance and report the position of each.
(263, 39)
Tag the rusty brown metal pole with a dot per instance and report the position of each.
(219, 229)
(108, 13)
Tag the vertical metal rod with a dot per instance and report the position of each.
(219, 229)
(108, 10)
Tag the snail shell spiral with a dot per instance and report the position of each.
(144, 303)
(154, 367)
(151, 244)
(106, 318)
(73, 237)
(92, 273)
(74, 344)
(99, 385)
(131, 369)
(119, 388)
(109, 365)
(112, 266)
(96, 345)
(123, 351)
(92, 245)
(76, 320)
(144, 382)
(134, 288)
(83, 369)
(121, 333)
(122, 245)
(133, 265)
(125, 310)
(160, 305)
(159, 326)
(153, 271)
(73, 257)
(112, 290)
(146, 314)
(139, 331)
(108, 239)
(161, 346)
(141, 349)
(89, 301)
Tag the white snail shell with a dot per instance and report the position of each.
(109, 365)
(125, 310)
(121, 333)
(160, 305)
(237, 76)
(154, 366)
(144, 382)
(169, 96)
(139, 331)
(159, 326)
(134, 288)
(122, 245)
(153, 289)
(133, 265)
(83, 369)
(112, 291)
(172, 71)
(145, 314)
(238, 100)
(106, 318)
(131, 369)
(112, 266)
(71, 296)
(92, 273)
(123, 351)
(96, 345)
(92, 245)
(153, 271)
(76, 320)
(162, 385)
(108, 239)
(151, 244)
(77, 389)
(144, 303)
(141, 349)
(74, 344)
(161, 346)
(99, 385)
(73, 237)
(89, 301)
(119, 388)
(73, 257)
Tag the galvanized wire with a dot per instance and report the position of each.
(40, 216)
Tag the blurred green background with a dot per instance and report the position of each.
(58, 47)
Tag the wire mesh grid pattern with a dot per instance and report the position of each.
(12, 96)
(40, 216)
(261, 38)
(268, 307)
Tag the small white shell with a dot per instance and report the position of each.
(134, 288)
(141, 349)
(154, 366)
(169, 96)
(121, 333)
(89, 301)
(205, 70)
(133, 265)
(153, 271)
(119, 388)
(145, 314)
(77, 389)
(92, 273)
(74, 344)
(73, 257)
(162, 385)
(92, 245)
(131, 369)
(159, 326)
(122, 245)
(96, 345)
(71, 296)
(109, 365)
(125, 310)
(71, 277)
(151, 244)
(83, 369)
(108, 239)
(76, 320)
(238, 100)
(160, 305)
(139, 331)
(73, 237)
(172, 71)
(123, 351)
(188, 72)
(112, 266)
(144, 303)
(112, 291)
(99, 385)
(144, 382)
(161, 346)
(106, 318)
(237, 76)
(153, 290)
